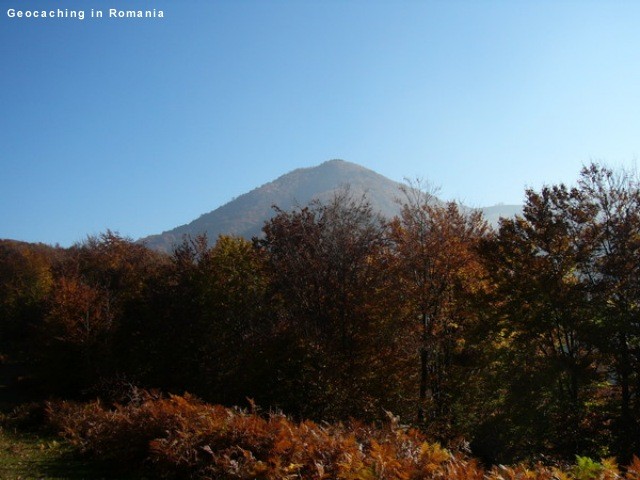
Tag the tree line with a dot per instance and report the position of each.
(523, 340)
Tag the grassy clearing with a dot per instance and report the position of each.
(45, 457)
(27, 452)
(31, 456)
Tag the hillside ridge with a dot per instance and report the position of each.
(245, 215)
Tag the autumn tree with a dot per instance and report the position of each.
(207, 314)
(98, 297)
(25, 281)
(328, 279)
(438, 270)
(565, 318)
(75, 334)
(612, 274)
(543, 330)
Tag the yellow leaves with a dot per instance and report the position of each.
(434, 453)
(610, 468)
(293, 467)
(385, 462)
(560, 475)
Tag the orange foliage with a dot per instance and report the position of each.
(182, 436)
(633, 471)
(78, 313)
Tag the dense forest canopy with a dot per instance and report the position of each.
(523, 341)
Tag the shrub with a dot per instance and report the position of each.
(181, 436)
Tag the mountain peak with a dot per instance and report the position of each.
(336, 161)
(245, 215)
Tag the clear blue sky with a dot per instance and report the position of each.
(143, 125)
